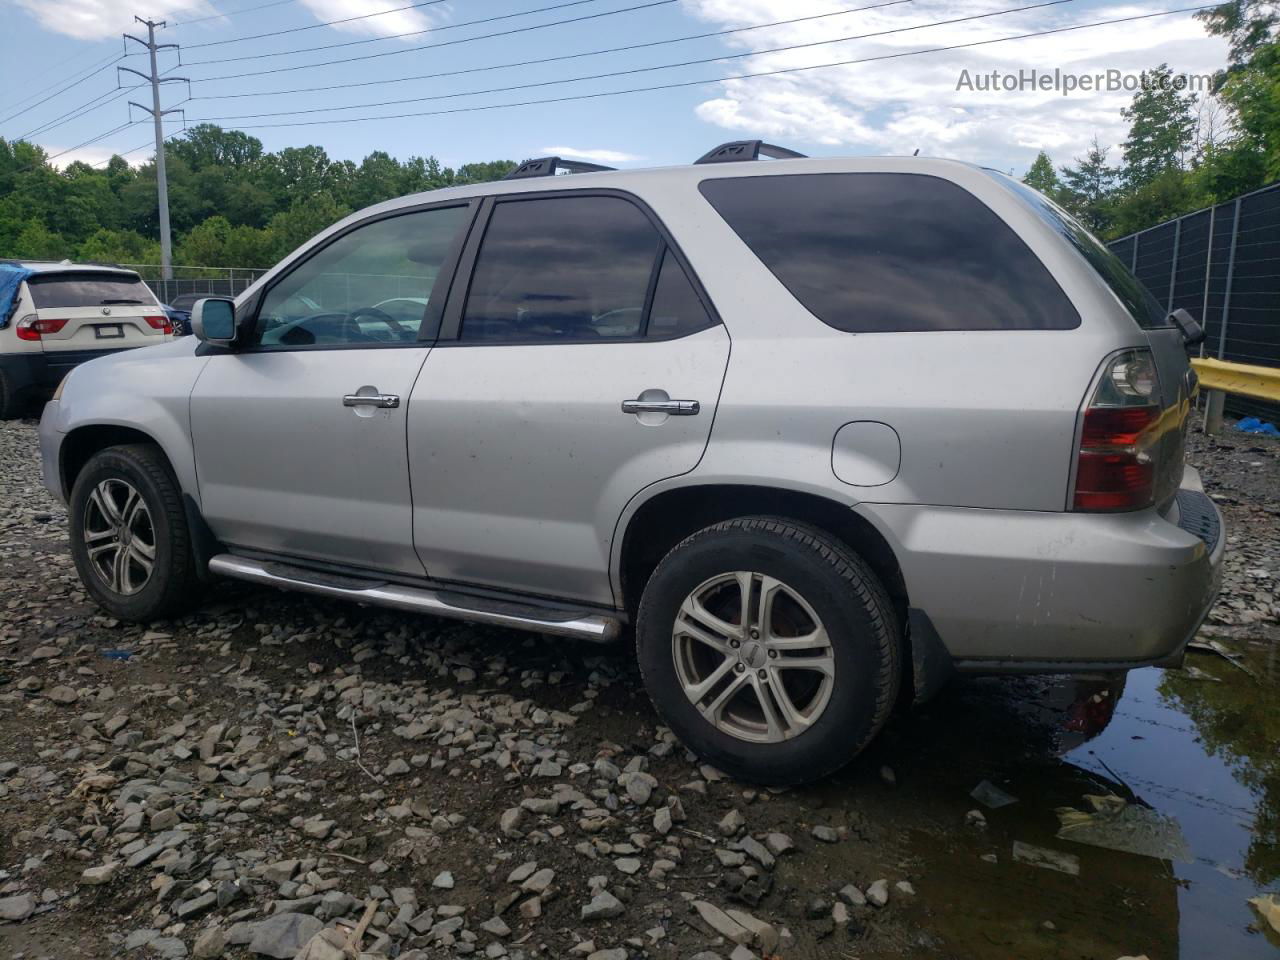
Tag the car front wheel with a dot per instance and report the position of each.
(770, 648)
(129, 534)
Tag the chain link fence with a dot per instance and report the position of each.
(1222, 265)
(196, 281)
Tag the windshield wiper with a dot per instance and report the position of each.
(105, 302)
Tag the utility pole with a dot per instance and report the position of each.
(157, 116)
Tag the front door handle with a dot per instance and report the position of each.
(674, 408)
(387, 401)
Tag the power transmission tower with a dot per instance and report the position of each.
(157, 116)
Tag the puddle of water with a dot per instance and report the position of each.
(1204, 752)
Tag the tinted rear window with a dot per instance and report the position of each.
(888, 252)
(1137, 299)
(89, 290)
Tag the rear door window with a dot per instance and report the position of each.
(562, 269)
(89, 290)
(888, 252)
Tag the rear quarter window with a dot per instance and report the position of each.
(887, 252)
(89, 290)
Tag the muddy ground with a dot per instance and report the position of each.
(228, 784)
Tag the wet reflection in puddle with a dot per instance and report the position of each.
(1205, 752)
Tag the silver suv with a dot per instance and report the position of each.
(816, 432)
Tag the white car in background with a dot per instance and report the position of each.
(61, 314)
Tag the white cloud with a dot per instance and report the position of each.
(402, 21)
(902, 104)
(591, 156)
(106, 19)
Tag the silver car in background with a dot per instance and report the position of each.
(815, 432)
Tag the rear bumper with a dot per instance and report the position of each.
(32, 373)
(1020, 591)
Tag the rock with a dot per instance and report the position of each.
(888, 776)
(975, 818)
(193, 908)
(539, 881)
(852, 896)
(628, 865)
(1268, 907)
(523, 872)
(318, 829)
(878, 893)
(662, 821)
(779, 843)
(62, 695)
(764, 935)
(396, 768)
(825, 833)
(721, 922)
(163, 820)
(94, 876)
(817, 909)
(741, 953)
(531, 909)
(756, 851)
(496, 926)
(904, 886)
(616, 953)
(283, 935)
(17, 909)
(731, 823)
(839, 913)
(210, 944)
(509, 822)
(168, 948)
(603, 906)
(325, 945)
(443, 881)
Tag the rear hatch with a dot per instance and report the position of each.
(96, 310)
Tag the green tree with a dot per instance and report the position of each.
(1161, 127)
(1088, 188)
(1041, 176)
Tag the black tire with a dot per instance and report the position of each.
(854, 608)
(172, 585)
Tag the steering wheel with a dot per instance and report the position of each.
(394, 325)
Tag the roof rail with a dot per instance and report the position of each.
(737, 150)
(549, 166)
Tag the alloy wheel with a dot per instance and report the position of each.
(753, 657)
(119, 536)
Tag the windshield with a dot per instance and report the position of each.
(89, 290)
(1137, 299)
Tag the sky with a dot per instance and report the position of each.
(464, 88)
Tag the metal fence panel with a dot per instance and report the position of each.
(202, 281)
(1222, 265)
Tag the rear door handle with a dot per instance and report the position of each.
(674, 408)
(385, 400)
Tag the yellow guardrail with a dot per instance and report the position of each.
(1242, 379)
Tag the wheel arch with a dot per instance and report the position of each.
(657, 524)
(82, 442)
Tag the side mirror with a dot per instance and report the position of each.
(213, 320)
(1192, 332)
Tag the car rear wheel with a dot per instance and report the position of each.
(129, 534)
(770, 648)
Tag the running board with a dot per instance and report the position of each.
(592, 627)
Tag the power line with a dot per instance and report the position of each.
(316, 26)
(649, 69)
(231, 13)
(436, 46)
(58, 93)
(75, 113)
(717, 80)
(395, 36)
(567, 56)
(93, 140)
(93, 68)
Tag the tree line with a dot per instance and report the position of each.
(230, 202)
(1183, 152)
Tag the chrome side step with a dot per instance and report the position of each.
(592, 627)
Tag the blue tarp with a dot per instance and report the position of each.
(1254, 425)
(11, 277)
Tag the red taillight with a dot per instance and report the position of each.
(1115, 469)
(159, 323)
(33, 328)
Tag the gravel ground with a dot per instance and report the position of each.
(234, 783)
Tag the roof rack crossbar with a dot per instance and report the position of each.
(737, 150)
(549, 166)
